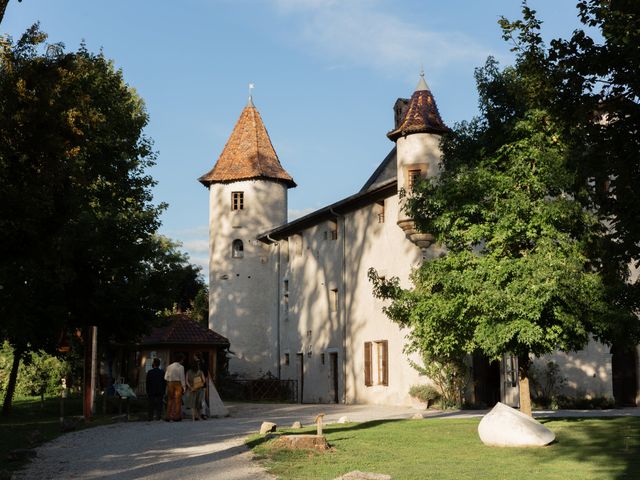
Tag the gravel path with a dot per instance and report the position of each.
(212, 449)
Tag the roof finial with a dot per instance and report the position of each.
(250, 102)
(422, 84)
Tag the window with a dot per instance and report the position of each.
(414, 175)
(237, 200)
(380, 211)
(286, 299)
(237, 249)
(376, 373)
(333, 228)
(322, 358)
(333, 300)
(286, 359)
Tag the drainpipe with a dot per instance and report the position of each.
(343, 306)
(278, 305)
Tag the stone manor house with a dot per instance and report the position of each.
(293, 297)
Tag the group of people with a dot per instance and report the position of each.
(175, 383)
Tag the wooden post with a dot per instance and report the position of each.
(319, 424)
(88, 390)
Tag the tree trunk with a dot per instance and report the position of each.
(11, 387)
(3, 7)
(523, 378)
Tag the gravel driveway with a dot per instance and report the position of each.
(212, 449)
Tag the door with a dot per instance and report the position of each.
(486, 381)
(300, 368)
(333, 379)
(624, 365)
(510, 390)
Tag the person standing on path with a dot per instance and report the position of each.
(155, 390)
(196, 382)
(175, 387)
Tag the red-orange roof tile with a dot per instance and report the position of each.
(422, 117)
(248, 154)
(182, 330)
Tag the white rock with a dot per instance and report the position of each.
(267, 427)
(296, 425)
(504, 426)
(417, 416)
(343, 419)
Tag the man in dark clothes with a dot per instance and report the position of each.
(155, 390)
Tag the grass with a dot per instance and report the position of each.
(31, 424)
(441, 449)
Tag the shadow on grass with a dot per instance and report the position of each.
(609, 442)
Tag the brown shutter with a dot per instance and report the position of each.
(385, 362)
(367, 364)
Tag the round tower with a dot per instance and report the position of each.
(417, 135)
(247, 196)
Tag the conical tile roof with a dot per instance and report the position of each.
(248, 154)
(422, 114)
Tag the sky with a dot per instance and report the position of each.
(326, 76)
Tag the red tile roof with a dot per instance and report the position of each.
(248, 154)
(182, 330)
(422, 117)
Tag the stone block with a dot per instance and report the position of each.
(303, 442)
(267, 427)
(417, 416)
(343, 419)
(296, 425)
(504, 426)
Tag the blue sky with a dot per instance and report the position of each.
(326, 75)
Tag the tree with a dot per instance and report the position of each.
(597, 99)
(516, 277)
(77, 222)
(3, 8)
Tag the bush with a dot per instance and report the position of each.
(450, 375)
(425, 393)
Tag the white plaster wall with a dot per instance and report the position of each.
(311, 325)
(588, 371)
(314, 273)
(243, 299)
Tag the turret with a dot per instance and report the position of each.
(417, 135)
(248, 195)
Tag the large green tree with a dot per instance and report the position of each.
(511, 208)
(597, 102)
(77, 221)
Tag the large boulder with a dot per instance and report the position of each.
(504, 426)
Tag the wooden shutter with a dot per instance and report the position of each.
(367, 364)
(385, 362)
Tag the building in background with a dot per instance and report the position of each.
(294, 298)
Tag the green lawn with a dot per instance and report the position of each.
(598, 449)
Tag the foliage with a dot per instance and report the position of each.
(77, 222)
(438, 448)
(546, 384)
(200, 306)
(527, 267)
(40, 375)
(424, 393)
(450, 375)
(598, 101)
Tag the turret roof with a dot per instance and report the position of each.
(422, 114)
(248, 154)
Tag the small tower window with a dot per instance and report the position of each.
(414, 175)
(237, 200)
(380, 211)
(237, 249)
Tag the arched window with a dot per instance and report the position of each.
(237, 249)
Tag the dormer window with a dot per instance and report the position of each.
(237, 200)
(237, 249)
